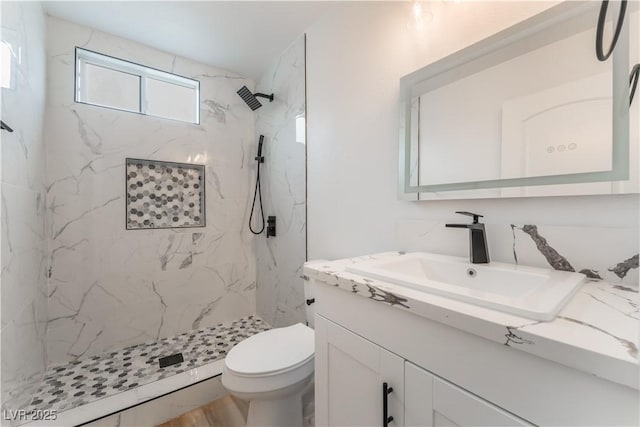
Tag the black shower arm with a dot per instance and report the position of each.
(262, 95)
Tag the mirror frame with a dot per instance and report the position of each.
(537, 31)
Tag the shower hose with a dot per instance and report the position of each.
(258, 193)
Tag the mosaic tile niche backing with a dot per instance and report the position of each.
(164, 194)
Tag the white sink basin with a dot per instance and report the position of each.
(536, 293)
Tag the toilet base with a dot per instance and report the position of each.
(282, 408)
(276, 413)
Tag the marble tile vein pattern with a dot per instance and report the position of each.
(108, 287)
(629, 345)
(86, 380)
(280, 291)
(559, 262)
(607, 252)
(24, 226)
(622, 268)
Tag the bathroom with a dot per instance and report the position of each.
(244, 305)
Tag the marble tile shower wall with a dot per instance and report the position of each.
(109, 287)
(24, 283)
(280, 294)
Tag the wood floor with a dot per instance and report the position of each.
(227, 411)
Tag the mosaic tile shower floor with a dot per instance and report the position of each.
(86, 380)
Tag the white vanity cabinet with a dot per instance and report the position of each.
(350, 388)
(353, 371)
(433, 402)
(442, 375)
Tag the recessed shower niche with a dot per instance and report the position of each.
(164, 194)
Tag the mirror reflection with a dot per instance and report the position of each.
(529, 111)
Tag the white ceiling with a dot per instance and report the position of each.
(240, 36)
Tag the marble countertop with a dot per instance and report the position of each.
(596, 332)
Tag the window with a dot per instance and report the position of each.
(10, 58)
(114, 83)
(6, 65)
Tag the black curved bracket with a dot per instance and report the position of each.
(602, 18)
(633, 82)
(264, 95)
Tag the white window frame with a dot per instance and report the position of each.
(84, 56)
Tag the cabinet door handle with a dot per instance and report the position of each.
(386, 418)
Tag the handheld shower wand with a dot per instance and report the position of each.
(259, 157)
(258, 191)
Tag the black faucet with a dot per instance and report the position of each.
(478, 249)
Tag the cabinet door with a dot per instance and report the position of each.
(431, 401)
(349, 376)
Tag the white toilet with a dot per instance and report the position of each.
(271, 370)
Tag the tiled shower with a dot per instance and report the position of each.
(111, 287)
(77, 284)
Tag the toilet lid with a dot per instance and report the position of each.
(272, 351)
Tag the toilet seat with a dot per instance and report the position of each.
(272, 352)
(273, 373)
(272, 360)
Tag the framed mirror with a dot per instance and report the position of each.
(529, 111)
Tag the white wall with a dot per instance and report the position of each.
(279, 293)
(355, 58)
(24, 242)
(110, 287)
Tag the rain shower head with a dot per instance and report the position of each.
(251, 98)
